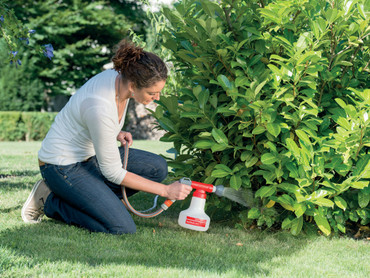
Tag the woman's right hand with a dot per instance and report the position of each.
(178, 191)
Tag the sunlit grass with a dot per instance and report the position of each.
(160, 246)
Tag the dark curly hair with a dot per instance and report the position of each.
(137, 65)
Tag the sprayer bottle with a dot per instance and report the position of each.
(194, 217)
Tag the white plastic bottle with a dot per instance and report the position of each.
(194, 217)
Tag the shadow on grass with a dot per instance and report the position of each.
(168, 246)
(15, 173)
(7, 210)
(17, 180)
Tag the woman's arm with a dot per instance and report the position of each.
(174, 191)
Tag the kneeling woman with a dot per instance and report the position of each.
(80, 161)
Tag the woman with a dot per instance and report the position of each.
(80, 161)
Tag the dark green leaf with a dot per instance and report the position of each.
(219, 136)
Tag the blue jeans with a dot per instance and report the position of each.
(82, 196)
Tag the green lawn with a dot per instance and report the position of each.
(160, 247)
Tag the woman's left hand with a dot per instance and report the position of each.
(125, 137)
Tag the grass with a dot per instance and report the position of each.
(160, 247)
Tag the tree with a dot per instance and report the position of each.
(20, 88)
(82, 33)
(276, 100)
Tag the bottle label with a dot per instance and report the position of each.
(196, 221)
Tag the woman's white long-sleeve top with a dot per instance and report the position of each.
(88, 125)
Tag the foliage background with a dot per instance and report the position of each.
(82, 33)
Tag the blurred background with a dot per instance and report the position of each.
(83, 34)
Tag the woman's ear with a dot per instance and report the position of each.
(131, 86)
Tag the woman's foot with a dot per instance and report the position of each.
(33, 208)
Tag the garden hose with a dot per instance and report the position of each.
(125, 201)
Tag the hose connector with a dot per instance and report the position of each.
(220, 190)
(167, 204)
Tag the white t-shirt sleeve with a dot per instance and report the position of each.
(102, 128)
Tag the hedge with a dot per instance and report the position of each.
(274, 100)
(29, 126)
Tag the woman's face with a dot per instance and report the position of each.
(149, 94)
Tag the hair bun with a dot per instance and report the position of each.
(127, 53)
(141, 67)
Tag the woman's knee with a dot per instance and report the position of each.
(122, 229)
(122, 224)
(162, 169)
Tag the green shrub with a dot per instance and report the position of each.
(27, 126)
(276, 99)
(37, 124)
(11, 128)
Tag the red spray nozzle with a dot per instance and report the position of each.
(200, 188)
(203, 186)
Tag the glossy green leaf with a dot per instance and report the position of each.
(246, 155)
(167, 124)
(340, 202)
(322, 223)
(360, 184)
(251, 162)
(299, 209)
(303, 136)
(286, 224)
(259, 87)
(341, 227)
(341, 103)
(265, 191)
(343, 122)
(323, 202)
(286, 202)
(258, 130)
(235, 181)
(224, 82)
(293, 170)
(203, 98)
(362, 166)
(363, 199)
(218, 173)
(204, 144)
(268, 159)
(296, 226)
(275, 70)
(223, 167)
(219, 147)
(219, 136)
(194, 115)
(292, 146)
(274, 129)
